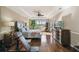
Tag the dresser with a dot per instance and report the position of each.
(63, 36)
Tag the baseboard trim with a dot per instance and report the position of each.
(75, 48)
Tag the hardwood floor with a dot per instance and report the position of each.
(47, 44)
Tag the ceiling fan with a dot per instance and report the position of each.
(38, 13)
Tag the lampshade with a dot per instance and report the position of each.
(9, 23)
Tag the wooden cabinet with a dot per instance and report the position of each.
(63, 37)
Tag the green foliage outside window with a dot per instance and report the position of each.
(32, 24)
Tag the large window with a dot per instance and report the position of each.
(37, 24)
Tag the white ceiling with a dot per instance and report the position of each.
(28, 11)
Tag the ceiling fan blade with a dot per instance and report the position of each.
(38, 12)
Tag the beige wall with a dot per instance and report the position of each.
(6, 16)
(70, 17)
(11, 14)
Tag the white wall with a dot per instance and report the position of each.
(70, 17)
